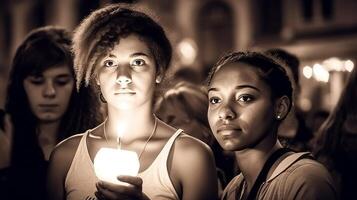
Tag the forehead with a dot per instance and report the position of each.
(236, 71)
(234, 74)
(129, 45)
(61, 69)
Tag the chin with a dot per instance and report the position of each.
(230, 146)
(48, 118)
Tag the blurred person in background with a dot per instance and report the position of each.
(43, 107)
(249, 96)
(336, 141)
(184, 106)
(293, 131)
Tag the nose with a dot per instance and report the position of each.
(123, 77)
(49, 91)
(226, 113)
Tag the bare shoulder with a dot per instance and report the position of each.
(67, 147)
(188, 145)
(193, 168)
(192, 150)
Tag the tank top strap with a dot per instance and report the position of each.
(167, 148)
(78, 156)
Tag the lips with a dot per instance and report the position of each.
(227, 131)
(228, 127)
(48, 105)
(124, 91)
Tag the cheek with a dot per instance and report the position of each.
(212, 118)
(65, 93)
(33, 94)
(257, 118)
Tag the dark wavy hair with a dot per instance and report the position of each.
(270, 71)
(329, 142)
(42, 49)
(101, 31)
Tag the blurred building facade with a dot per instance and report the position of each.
(317, 31)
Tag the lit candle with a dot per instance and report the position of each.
(109, 163)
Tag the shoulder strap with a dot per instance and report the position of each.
(264, 172)
(288, 161)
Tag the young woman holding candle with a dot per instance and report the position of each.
(43, 108)
(125, 53)
(249, 96)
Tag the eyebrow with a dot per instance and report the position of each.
(139, 54)
(132, 55)
(237, 87)
(63, 75)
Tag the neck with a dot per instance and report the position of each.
(47, 137)
(48, 130)
(132, 124)
(252, 160)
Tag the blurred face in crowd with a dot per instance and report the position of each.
(240, 111)
(50, 92)
(175, 114)
(126, 75)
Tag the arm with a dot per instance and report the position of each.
(60, 162)
(193, 166)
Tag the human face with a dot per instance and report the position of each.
(240, 110)
(50, 92)
(127, 74)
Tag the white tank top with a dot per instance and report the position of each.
(80, 180)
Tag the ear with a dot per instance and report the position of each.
(159, 76)
(282, 107)
(97, 80)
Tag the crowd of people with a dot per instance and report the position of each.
(240, 135)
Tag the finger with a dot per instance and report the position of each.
(133, 180)
(116, 188)
(107, 195)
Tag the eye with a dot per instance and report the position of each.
(214, 100)
(63, 80)
(138, 62)
(245, 98)
(36, 80)
(109, 63)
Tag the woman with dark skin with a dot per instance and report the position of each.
(336, 142)
(249, 95)
(44, 108)
(125, 53)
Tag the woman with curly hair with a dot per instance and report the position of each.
(125, 53)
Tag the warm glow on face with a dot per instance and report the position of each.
(110, 163)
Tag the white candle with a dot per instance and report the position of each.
(109, 163)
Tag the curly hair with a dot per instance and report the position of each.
(101, 31)
(271, 72)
